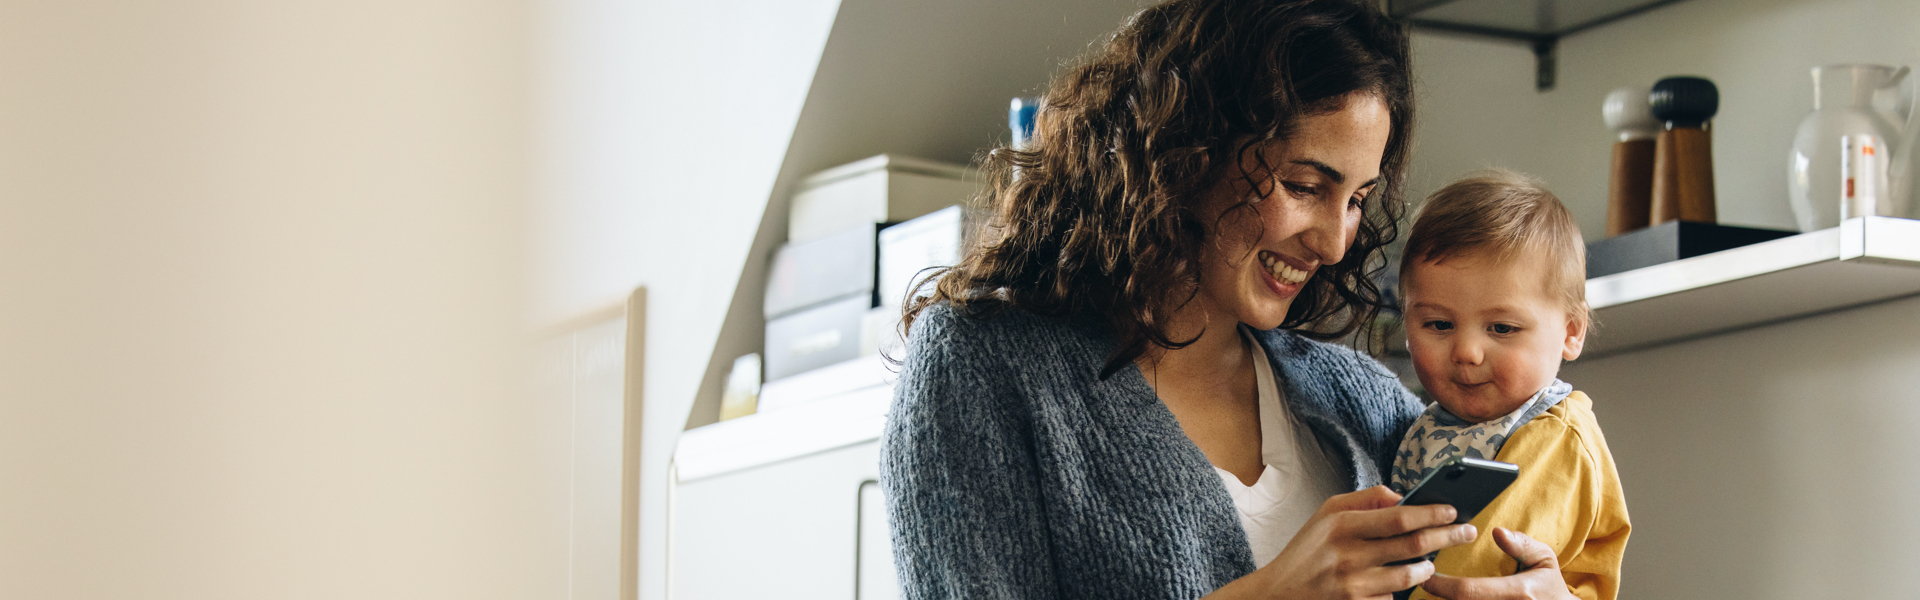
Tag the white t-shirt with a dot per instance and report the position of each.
(1298, 476)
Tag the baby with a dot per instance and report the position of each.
(1494, 286)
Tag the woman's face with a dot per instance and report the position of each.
(1256, 262)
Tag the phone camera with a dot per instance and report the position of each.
(1456, 472)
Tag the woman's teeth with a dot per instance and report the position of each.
(1281, 271)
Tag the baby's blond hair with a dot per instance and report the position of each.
(1505, 214)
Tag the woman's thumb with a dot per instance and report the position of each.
(1531, 553)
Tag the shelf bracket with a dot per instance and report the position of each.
(1545, 46)
(1544, 39)
(1545, 62)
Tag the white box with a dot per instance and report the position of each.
(806, 274)
(908, 249)
(882, 189)
(816, 337)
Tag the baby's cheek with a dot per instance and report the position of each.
(1430, 365)
(1526, 373)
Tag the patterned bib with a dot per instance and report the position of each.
(1439, 435)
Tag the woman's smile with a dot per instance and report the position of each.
(1283, 268)
(1282, 275)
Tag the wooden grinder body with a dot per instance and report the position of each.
(1683, 176)
(1630, 187)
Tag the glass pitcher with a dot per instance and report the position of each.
(1845, 149)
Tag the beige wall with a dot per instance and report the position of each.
(260, 304)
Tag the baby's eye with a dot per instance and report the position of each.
(1503, 329)
(1439, 325)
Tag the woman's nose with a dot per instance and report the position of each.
(1330, 232)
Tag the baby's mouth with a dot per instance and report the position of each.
(1282, 271)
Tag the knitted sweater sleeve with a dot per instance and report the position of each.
(959, 471)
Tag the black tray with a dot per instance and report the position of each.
(1668, 242)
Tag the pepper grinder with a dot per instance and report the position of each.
(1683, 152)
(1630, 185)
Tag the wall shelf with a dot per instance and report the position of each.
(1864, 260)
(1538, 23)
(814, 426)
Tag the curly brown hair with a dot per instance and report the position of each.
(1100, 215)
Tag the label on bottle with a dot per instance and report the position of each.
(1863, 175)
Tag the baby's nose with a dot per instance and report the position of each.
(1466, 353)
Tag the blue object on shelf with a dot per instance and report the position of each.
(1020, 119)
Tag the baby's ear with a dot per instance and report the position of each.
(1576, 335)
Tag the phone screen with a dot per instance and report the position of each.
(1468, 484)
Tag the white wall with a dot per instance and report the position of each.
(661, 128)
(923, 78)
(260, 320)
(1770, 463)
(662, 125)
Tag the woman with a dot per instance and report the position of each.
(1117, 392)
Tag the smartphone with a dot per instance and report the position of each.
(1469, 484)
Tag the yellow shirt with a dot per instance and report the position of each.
(1568, 497)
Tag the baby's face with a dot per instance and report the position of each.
(1485, 333)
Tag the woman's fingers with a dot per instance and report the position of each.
(1427, 541)
(1392, 533)
(1394, 520)
(1384, 581)
(1361, 531)
(1539, 576)
(1470, 588)
(1413, 545)
(1531, 553)
(1531, 585)
(1372, 498)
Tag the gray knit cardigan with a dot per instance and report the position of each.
(1011, 470)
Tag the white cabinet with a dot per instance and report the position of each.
(783, 504)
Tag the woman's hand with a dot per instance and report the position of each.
(1342, 552)
(1538, 578)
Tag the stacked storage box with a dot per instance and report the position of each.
(909, 254)
(828, 293)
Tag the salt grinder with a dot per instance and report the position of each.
(1630, 184)
(1683, 152)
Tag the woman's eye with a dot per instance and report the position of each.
(1304, 191)
(1439, 325)
(1359, 199)
(1503, 329)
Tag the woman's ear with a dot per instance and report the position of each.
(1576, 335)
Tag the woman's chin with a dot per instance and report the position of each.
(1267, 316)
